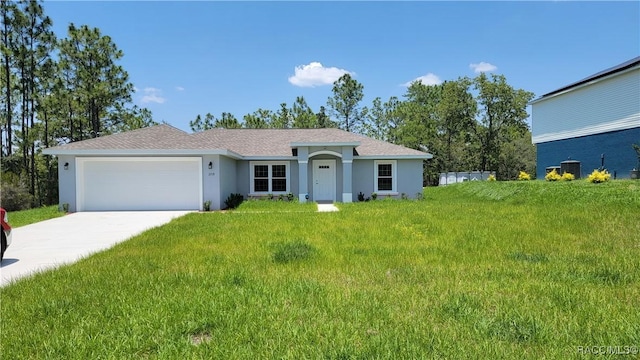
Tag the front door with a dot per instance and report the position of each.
(324, 180)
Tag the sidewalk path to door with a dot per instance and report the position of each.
(327, 207)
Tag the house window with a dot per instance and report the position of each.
(269, 177)
(261, 178)
(385, 177)
(278, 178)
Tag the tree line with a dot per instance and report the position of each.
(54, 91)
(467, 124)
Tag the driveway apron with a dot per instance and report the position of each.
(51, 243)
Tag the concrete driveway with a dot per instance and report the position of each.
(51, 243)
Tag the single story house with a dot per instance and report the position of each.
(594, 120)
(164, 168)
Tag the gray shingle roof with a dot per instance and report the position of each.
(277, 142)
(153, 137)
(245, 142)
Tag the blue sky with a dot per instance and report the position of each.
(190, 58)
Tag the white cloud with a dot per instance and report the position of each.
(135, 89)
(315, 74)
(429, 79)
(152, 95)
(483, 67)
(179, 88)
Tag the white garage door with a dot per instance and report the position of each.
(138, 183)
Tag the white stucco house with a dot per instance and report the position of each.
(594, 120)
(164, 168)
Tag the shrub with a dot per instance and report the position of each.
(360, 196)
(553, 176)
(374, 196)
(290, 197)
(207, 205)
(15, 198)
(523, 176)
(234, 200)
(404, 196)
(598, 176)
(491, 178)
(568, 176)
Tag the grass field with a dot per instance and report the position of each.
(26, 217)
(476, 270)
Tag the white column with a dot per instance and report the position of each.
(303, 183)
(347, 176)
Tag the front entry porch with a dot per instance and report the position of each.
(330, 175)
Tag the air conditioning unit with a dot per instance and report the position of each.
(571, 167)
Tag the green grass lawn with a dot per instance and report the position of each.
(475, 270)
(261, 206)
(26, 217)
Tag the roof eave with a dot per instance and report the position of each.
(394, 157)
(324, 143)
(269, 158)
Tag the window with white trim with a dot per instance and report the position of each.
(385, 177)
(269, 177)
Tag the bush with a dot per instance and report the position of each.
(361, 197)
(568, 176)
(553, 176)
(234, 200)
(598, 176)
(15, 198)
(491, 178)
(523, 176)
(374, 196)
(207, 205)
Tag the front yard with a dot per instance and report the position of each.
(475, 270)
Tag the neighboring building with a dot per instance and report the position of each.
(164, 168)
(599, 115)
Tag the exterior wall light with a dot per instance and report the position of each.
(66, 166)
(210, 164)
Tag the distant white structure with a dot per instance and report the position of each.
(462, 176)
